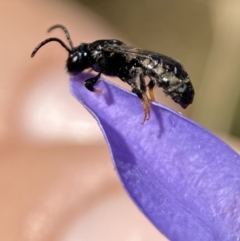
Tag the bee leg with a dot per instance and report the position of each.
(90, 83)
(146, 107)
(139, 88)
(150, 86)
(145, 102)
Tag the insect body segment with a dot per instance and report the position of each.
(114, 58)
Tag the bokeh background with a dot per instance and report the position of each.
(57, 181)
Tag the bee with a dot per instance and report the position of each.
(112, 57)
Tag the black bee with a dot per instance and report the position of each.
(115, 58)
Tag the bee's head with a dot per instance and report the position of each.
(78, 57)
(78, 60)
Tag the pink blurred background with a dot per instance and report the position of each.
(57, 181)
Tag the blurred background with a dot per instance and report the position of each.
(56, 177)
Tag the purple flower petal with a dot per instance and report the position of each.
(185, 179)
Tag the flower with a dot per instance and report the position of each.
(182, 177)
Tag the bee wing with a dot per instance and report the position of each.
(127, 50)
(168, 62)
(136, 52)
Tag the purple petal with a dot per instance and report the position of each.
(185, 179)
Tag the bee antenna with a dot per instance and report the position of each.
(65, 31)
(47, 41)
